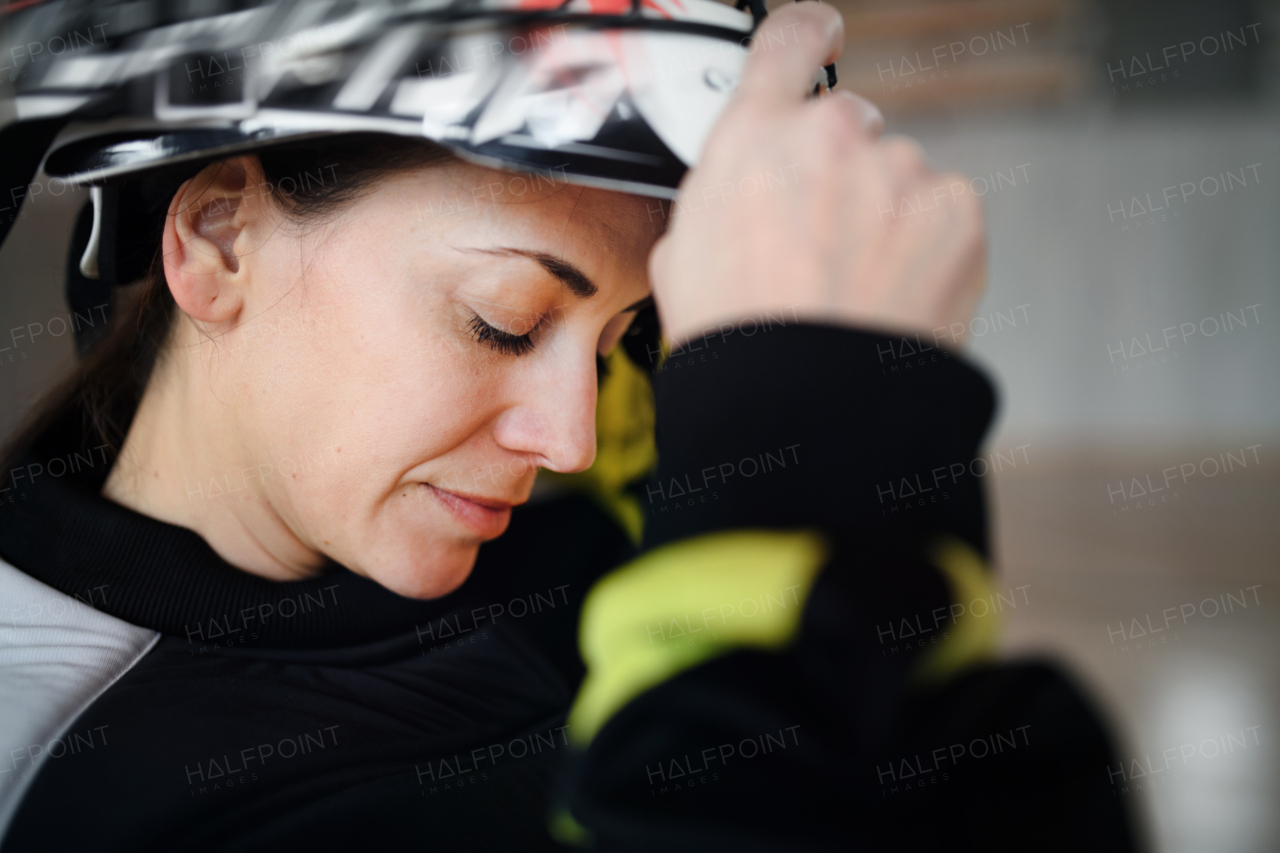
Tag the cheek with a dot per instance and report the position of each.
(370, 389)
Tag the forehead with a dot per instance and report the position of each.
(460, 194)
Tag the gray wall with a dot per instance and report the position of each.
(1056, 246)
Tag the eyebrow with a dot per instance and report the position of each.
(573, 278)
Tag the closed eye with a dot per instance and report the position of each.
(497, 339)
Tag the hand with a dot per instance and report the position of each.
(860, 232)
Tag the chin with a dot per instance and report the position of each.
(435, 574)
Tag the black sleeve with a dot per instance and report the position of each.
(879, 720)
(847, 430)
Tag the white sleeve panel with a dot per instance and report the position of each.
(57, 656)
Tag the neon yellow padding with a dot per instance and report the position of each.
(685, 603)
(973, 637)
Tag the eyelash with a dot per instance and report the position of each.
(497, 339)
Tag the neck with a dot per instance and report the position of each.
(183, 463)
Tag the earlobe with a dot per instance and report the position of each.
(204, 239)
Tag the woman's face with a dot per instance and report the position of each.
(400, 373)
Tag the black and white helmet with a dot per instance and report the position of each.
(616, 94)
(615, 89)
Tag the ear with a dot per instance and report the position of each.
(212, 221)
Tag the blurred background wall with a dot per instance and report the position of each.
(1128, 155)
(1130, 323)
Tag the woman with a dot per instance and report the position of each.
(264, 617)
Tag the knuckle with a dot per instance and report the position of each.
(815, 23)
(963, 189)
(904, 152)
(902, 160)
(962, 194)
(839, 118)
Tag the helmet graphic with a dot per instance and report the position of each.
(616, 94)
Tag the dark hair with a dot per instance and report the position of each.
(309, 181)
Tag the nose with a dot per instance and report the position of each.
(553, 413)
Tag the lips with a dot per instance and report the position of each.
(486, 517)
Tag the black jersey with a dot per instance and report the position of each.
(770, 638)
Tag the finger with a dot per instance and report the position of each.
(869, 115)
(903, 156)
(787, 49)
